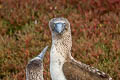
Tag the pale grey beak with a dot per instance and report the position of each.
(41, 55)
(59, 27)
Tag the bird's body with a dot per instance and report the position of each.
(62, 65)
(34, 69)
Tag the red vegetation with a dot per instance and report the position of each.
(24, 32)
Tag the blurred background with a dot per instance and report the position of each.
(24, 32)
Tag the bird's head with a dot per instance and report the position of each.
(59, 26)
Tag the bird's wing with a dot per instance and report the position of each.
(74, 70)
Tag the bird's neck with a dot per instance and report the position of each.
(62, 45)
(60, 50)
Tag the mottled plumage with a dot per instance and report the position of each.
(34, 69)
(62, 64)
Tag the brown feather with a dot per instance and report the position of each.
(79, 71)
(34, 70)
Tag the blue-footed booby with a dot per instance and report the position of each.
(62, 65)
(34, 68)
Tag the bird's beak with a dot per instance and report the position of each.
(41, 55)
(59, 27)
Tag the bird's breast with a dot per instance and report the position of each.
(56, 64)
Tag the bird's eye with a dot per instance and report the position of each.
(54, 24)
(65, 26)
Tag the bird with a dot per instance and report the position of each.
(34, 68)
(62, 65)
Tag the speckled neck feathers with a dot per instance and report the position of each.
(63, 44)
